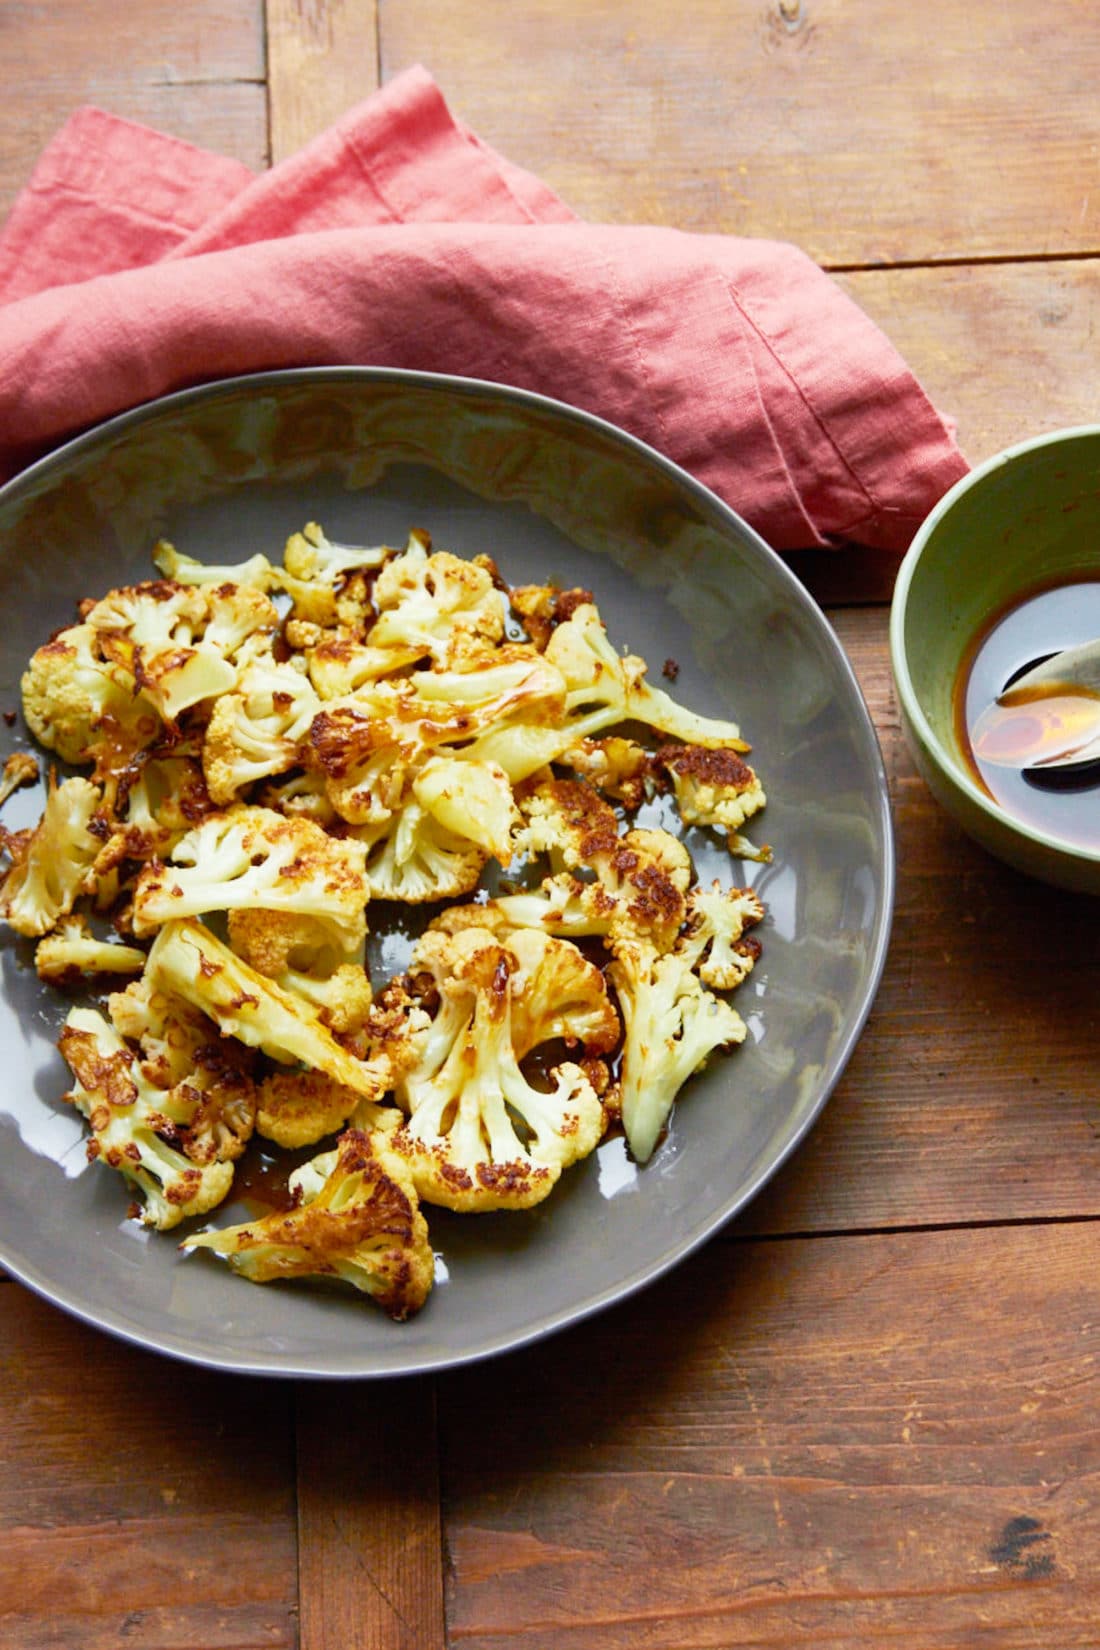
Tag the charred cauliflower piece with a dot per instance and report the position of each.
(713, 786)
(640, 879)
(252, 859)
(414, 859)
(479, 1135)
(189, 962)
(715, 941)
(373, 745)
(180, 642)
(52, 864)
(310, 555)
(340, 666)
(259, 729)
(618, 767)
(673, 1024)
(427, 600)
(257, 571)
(173, 1138)
(362, 1225)
(72, 952)
(605, 687)
(326, 581)
(20, 768)
(298, 1108)
(158, 804)
(82, 705)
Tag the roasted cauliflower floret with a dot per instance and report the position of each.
(298, 956)
(617, 766)
(563, 904)
(176, 1144)
(412, 858)
(180, 642)
(712, 786)
(256, 860)
(425, 600)
(673, 1024)
(342, 999)
(479, 1135)
(556, 993)
(180, 569)
(84, 706)
(606, 687)
(641, 878)
(279, 943)
(20, 768)
(471, 801)
(362, 1225)
(298, 1108)
(715, 941)
(51, 864)
(72, 952)
(158, 804)
(189, 962)
(371, 746)
(311, 555)
(542, 607)
(150, 631)
(327, 583)
(340, 665)
(259, 729)
(568, 821)
(175, 1040)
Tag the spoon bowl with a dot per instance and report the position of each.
(1060, 698)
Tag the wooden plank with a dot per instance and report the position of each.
(832, 1443)
(865, 136)
(972, 1094)
(141, 1501)
(998, 347)
(371, 1570)
(195, 71)
(322, 58)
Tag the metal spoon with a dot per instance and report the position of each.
(1074, 671)
(1073, 667)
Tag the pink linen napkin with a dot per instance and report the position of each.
(134, 264)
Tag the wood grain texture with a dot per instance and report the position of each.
(141, 1501)
(865, 136)
(831, 1443)
(196, 71)
(972, 1093)
(322, 58)
(998, 347)
(368, 1511)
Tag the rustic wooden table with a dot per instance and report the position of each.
(866, 1414)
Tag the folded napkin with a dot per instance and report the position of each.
(134, 264)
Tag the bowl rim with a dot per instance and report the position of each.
(952, 771)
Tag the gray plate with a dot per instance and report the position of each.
(552, 494)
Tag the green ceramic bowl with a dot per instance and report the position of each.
(1026, 517)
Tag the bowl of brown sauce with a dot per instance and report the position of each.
(1004, 573)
